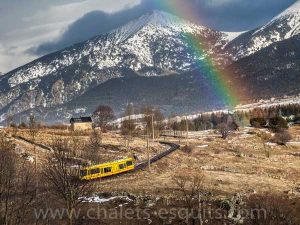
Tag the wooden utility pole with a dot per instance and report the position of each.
(148, 154)
(33, 132)
(126, 144)
(187, 130)
(152, 122)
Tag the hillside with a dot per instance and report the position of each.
(282, 27)
(153, 45)
(273, 71)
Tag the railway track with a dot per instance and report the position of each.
(44, 147)
(172, 147)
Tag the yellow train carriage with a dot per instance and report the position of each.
(106, 169)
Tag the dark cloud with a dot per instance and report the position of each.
(241, 15)
(93, 24)
(230, 15)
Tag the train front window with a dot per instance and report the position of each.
(83, 173)
(129, 163)
(107, 170)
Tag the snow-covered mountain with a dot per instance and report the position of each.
(281, 27)
(153, 45)
(271, 72)
(152, 60)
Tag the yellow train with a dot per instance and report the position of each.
(107, 169)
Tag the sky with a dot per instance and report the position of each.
(32, 28)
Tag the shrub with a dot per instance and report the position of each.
(297, 119)
(22, 125)
(223, 129)
(57, 127)
(277, 123)
(269, 209)
(187, 149)
(282, 137)
(258, 122)
(233, 126)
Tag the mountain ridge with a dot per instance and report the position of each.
(154, 45)
(281, 27)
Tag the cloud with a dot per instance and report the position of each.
(90, 25)
(30, 23)
(240, 15)
(38, 27)
(228, 15)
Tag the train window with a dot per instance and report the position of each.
(107, 170)
(122, 166)
(83, 173)
(129, 163)
(94, 171)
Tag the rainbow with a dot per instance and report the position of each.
(219, 80)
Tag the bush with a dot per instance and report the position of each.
(57, 127)
(273, 209)
(127, 127)
(187, 149)
(233, 126)
(297, 119)
(258, 122)
(223, 129)
(277, 123)
(282, 137)
(22, 125)
(13, 125)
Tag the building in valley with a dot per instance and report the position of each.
(81, 123)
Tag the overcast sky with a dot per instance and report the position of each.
(32, 28)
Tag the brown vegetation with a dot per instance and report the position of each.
(64, 184)
(282, 137)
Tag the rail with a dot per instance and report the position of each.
(172, 147)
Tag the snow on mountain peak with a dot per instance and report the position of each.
(288, 20)
(158, 19)
(293, 9)
(281, 27)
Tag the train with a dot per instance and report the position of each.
(121, 166)
(106, 169)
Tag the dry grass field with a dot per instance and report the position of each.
(246, 164)
(239, 164)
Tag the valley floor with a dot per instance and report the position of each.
(238, 164)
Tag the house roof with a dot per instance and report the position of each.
(81, 120)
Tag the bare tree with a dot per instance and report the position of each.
(282, 137)
(7, 174)
(103, 115)
(127, 127)
(16, 189)
(264, 138)
(64, 182)
(89, 150)
(33, 131)
(75, 143)
(95, 140)
(9, 120)
(223, 129)
(191, 188)
(153, 119)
